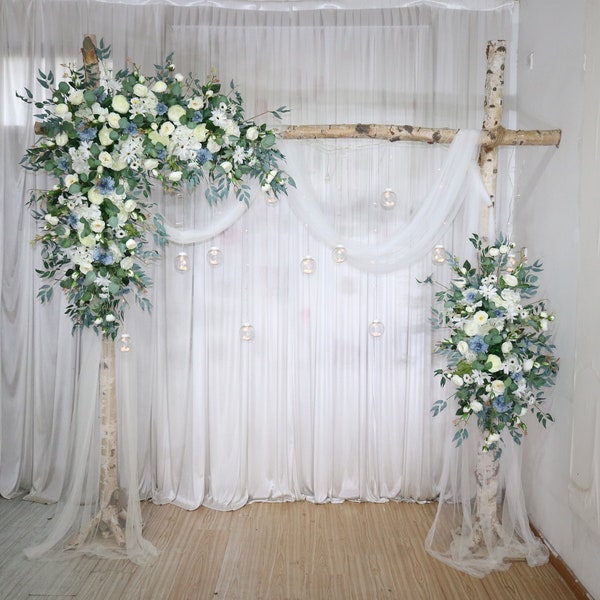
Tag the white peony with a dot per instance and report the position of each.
(471, 328)
(126, 263)
(104, 136)
(140, 90)
(61, 109)
(113, 120)
(76, 97)
(94, 196)
(201, 133)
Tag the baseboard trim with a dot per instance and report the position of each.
(564, 570)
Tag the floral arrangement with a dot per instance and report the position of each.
(105, 143)
(499, 353)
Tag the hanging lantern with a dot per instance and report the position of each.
(214, 257)
(182, 262)
(439, 254)
(246, 332)
(308, 265)
(376, 328)
(125, 342)
(339, 254)
(388, 199)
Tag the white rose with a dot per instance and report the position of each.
(226, 166)
(462, 347)
(126, 263)
(457, 380)
(476, 406)
(61, 109)
(150, 163)
(200, 132)
(61, 139)
(471, 328)
(480, 317)
(179, 77)
(492, 438)
(212, 146)
(496, 363)
(493, 252)
(88, 241)
(130, 244)
(97, 226)
(85, 267)
(159, 87)
(506, 347)
(51, 220)
(510, 280)
(175, 176)
(105, 158)
(503, 249)
(110, 318)
(166, 129)
(94, 196)
(104, 136)
(130, 205)
(498, 387)
(175, 113)
(140, 90)
(113, 120)
(527, 365)
(195, 103)
(70, 179)
(120, 104)
(76, 97)
(252, 133)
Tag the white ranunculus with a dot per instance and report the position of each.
(252, 133)
(120, 104)
(480, 317)
(105, 158)
(195, 103)
(493, 252)
(175, 113)
(113, 120)
(175, 176)
(97, 226)
(510, 280)
(130, 244)
(126, 263)
(61, 139)
(104, 136)
(140, 90)
(85, 267)
(226, 166)
(462, 347)
(200, 132)
(498, 387)
(51, 220)
(471, 328)
(212, 146)
(457, 380)
(476, 406)
(496, 363)
(94, 196)
(150, 163)
(159, 87)
(61, 109)
(166, 129)
(506, 347)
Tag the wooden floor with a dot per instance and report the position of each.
(263, 551)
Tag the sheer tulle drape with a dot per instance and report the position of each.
(314, 406)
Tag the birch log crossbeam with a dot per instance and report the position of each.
(431, 135)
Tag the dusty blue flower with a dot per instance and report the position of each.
(87, 134)
(501, 405)
(103, 256)
(477, 344)
(203, 155)
(131, 128)
(161, 108)
(106, 185)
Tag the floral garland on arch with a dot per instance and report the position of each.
(499, 354)
(104, 146)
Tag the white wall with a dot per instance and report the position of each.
(555, 206)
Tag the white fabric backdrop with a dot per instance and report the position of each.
(313, 407)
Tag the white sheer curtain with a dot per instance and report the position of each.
(314, 406)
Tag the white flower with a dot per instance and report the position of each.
(252, 133)
(498, 387)
(480, 317)
(130, 244)
(503, 249)
(195, 103)
(462, 347)
(150, 163)
(544, 324)
(51, 220)
(527, 365)
(76, 97)
(523, 411)
(493, 252)
(129, 206)
(457, 380)
(179, 77)
(471, 328)
(94, 196)
(175, 176)
(506, 347)
(85, 267)
(105, 159)
(175, 113)
(61, 109)
(61, 139)
(104, 136)
(459, 282)
(510, 280)
(140, 90)
(126, 263)
(212, 146)
(120, 104)
(492, 438)
(226, 166)
(159, 87)
(113, 120)
(200, 132)
(166, 129)
(110, 318)
(496, 363)
(97, 226)
(70, 179)
(476, 406)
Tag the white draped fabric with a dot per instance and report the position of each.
(314, 406)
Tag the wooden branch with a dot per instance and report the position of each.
(408, 133)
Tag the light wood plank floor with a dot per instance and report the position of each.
(263, 551)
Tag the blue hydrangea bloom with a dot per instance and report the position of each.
(103, 256)
(131, 128)
(87, 134)
(62, 164)
(203, 155)
(517, 376)
(161, 108)
(471, 296)
(72, 220)
(106, 185)
(501, 405)
(477, 344)
(161, 154)
(197, 118)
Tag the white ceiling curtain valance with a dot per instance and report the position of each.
(315, 406)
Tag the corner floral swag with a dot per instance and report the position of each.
(105, 146)
(499, 354)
